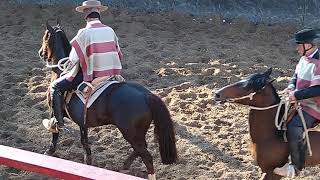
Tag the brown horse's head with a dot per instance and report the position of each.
(55, 44)
(46, 50)
(251, 91)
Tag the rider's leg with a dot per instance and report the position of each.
(297, 145)
(58, 88)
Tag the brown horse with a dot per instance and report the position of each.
(129, 106)
(267, 148)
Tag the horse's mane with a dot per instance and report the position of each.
(259, 81)
(64, 38)
(275, 93)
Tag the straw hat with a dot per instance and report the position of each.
(91, 4)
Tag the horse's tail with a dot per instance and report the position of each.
(164, 130)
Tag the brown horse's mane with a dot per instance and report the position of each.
(275, 93)
(58, 31)
(258, 81)
(64, 38)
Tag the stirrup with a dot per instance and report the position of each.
(287, 170)
(51, 125)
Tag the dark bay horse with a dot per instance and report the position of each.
(128, 106)
(267, 148)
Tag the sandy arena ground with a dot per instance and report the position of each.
(182, 58)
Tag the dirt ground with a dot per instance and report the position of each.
(182, 58)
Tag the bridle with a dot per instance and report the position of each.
(62, 64)
(250, 96)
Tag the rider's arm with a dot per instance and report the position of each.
(306, 93)
(293, 81)
(73, 56)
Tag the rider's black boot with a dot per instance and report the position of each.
(58, 101)
(298, 154)
(297, 148)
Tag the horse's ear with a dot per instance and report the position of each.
(271, 81)
(58, 21)
(268, 72)
(44, 26)
(49, 28)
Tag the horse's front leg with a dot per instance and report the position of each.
(53, 145)
(85, 144)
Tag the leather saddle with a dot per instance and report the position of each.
(89, 92)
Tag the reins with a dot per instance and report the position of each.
(263, 108)
(250, 96)
(279, 125)
(62, 64)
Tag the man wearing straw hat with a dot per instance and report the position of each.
(95, 53)
(305, 88)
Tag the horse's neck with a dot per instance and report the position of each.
(261, 122)
(65, 47)
(61, 53)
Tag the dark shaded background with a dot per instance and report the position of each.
(302, 12)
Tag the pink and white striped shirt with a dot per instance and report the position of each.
(308, 74)
(96, 50)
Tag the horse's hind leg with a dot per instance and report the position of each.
(85, 144)
(53, 145)
(140, 148)
(127, 163)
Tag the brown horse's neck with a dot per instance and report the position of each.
(61, 50)
(261, 122)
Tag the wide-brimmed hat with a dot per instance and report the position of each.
(306, 36)
(91, 4)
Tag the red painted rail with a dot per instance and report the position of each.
(56, 167)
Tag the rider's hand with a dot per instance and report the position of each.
(292, 98)
(288, 90)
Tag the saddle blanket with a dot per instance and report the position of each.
(96, 92)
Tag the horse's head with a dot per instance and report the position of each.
(252, 91)
(55, 44)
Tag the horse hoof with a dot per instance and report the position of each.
(87, 160)
(151, 177)
(49, 152)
